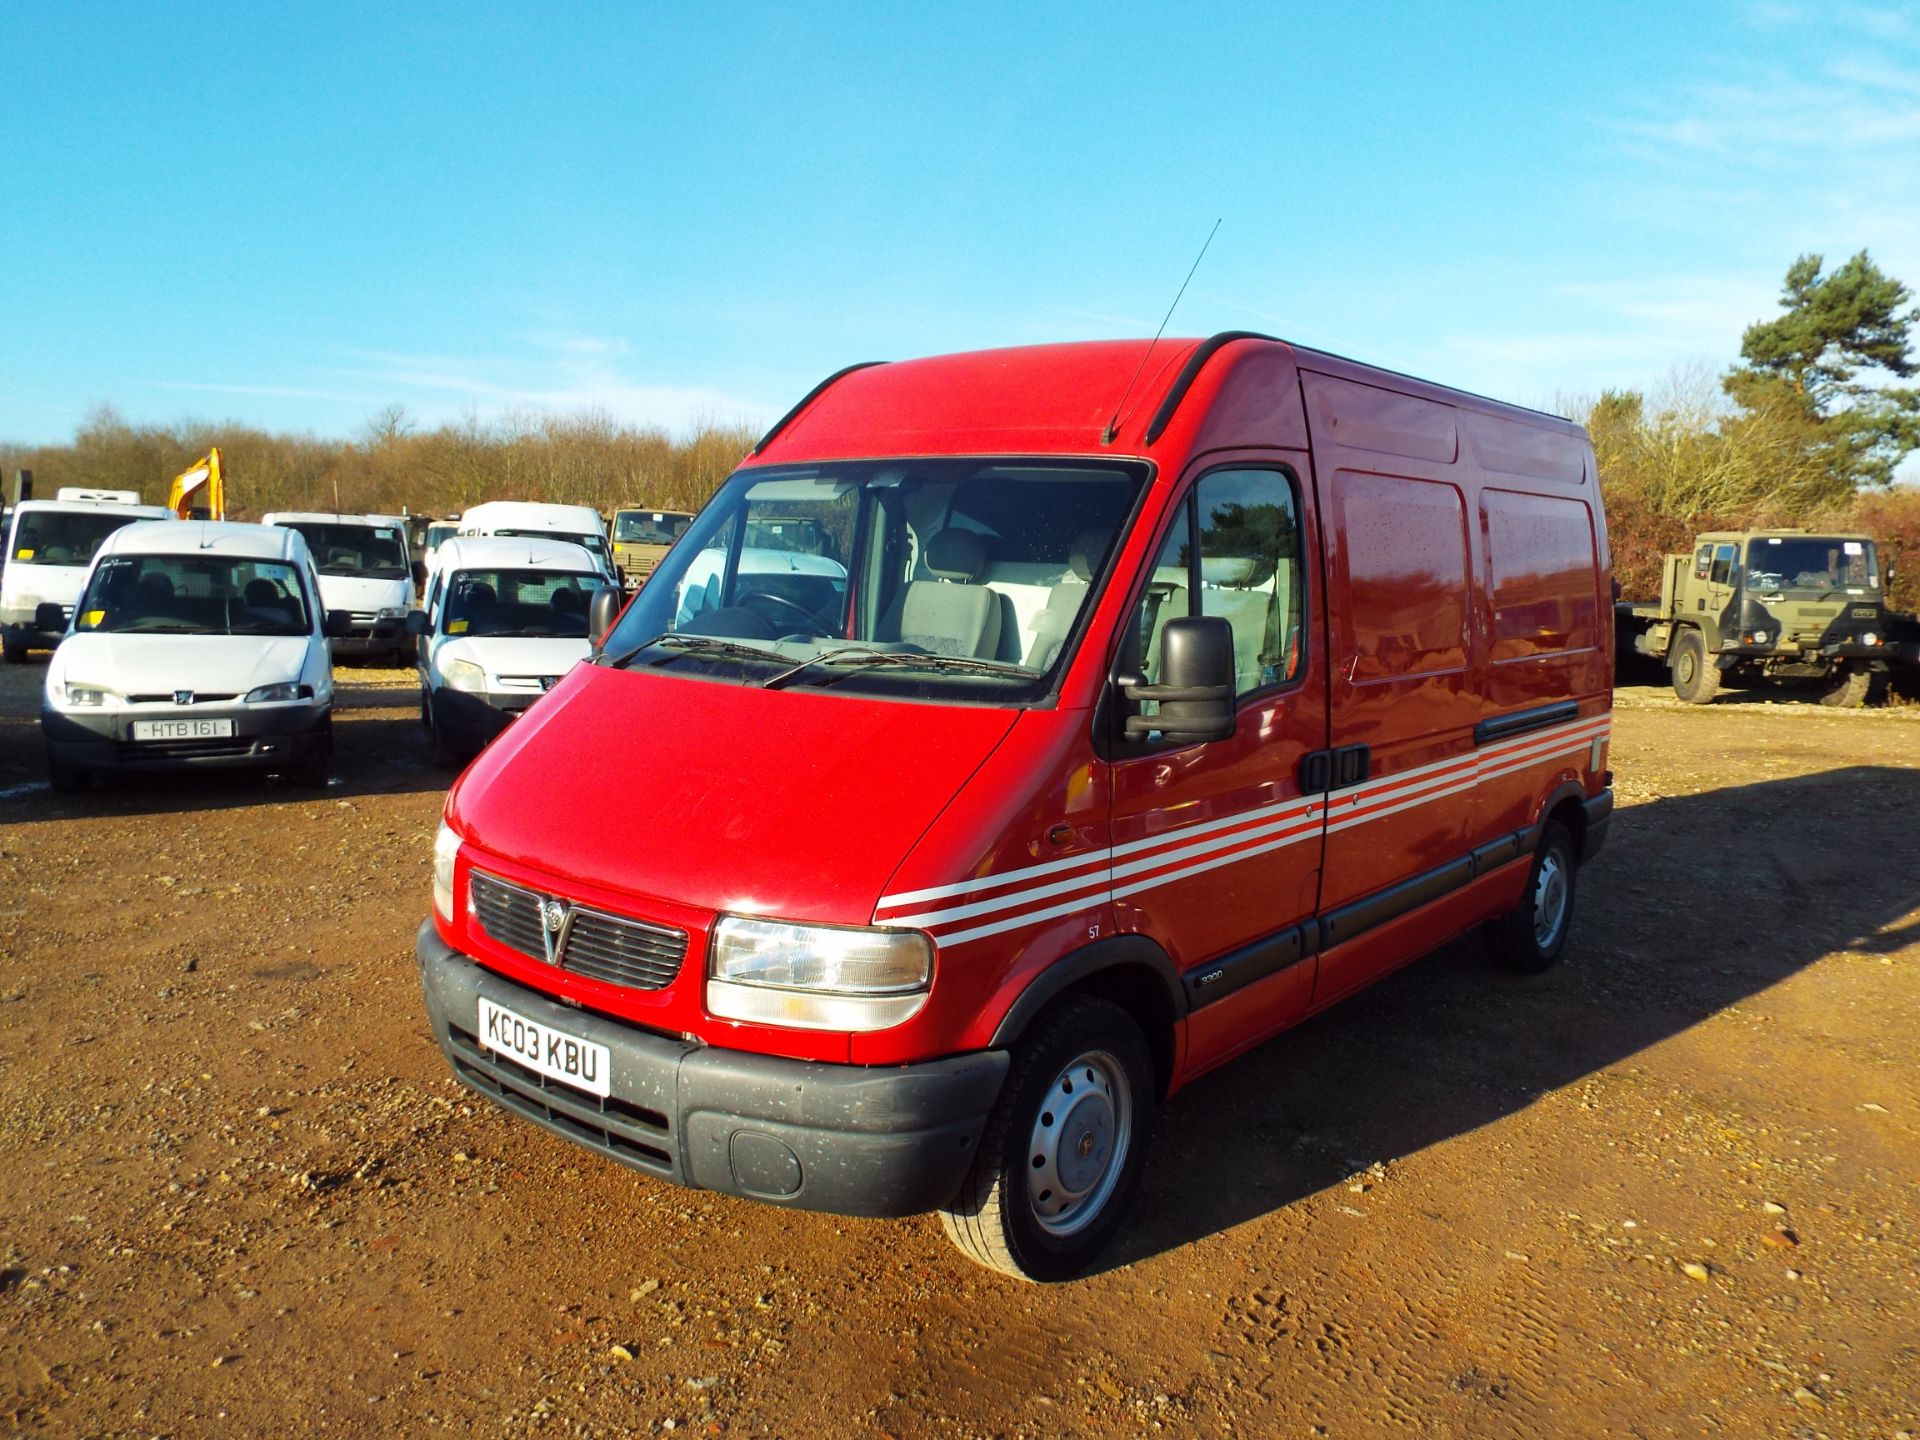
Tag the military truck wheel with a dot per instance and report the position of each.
(1064, 1147)
(1848, 690)
(1530, 937)
(1696, 679)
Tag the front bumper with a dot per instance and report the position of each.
(24, 632)
(469, 719)
(268, 737)
(371, 637)
(848, 1139)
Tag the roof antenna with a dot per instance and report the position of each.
(1113, 425)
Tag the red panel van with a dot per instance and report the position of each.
(1023, 739)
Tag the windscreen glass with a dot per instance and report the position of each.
(642, 527)
(373, 551)
(194, 595)
(519, 602)
(63, 537)
(594, 545)
(929, 579)
(1810, 564)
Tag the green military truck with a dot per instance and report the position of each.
(641, 539)
(1756, 606)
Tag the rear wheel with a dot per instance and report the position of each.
(1696, 679)
(1064, 1147)
(1530, 937)
(1848, 689)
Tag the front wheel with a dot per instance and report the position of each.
(1530, 937)
(1064, 1147)
(15, 650)
(1696, 679)
(1847, 690)
(66, 778)
(439, 751)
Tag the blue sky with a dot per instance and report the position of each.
(294, 216)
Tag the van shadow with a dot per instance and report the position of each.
(1673, 924)
(379, 748)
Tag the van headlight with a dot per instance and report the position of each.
(393, 612)
(464, 675)
(446, 848)
(816, 977)
(76, 696)
(279, 694)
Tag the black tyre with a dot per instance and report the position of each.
(1530, 937)
(1848, 689)
(1064, 1147)
(1696, 679)
(439, 752)
(66, 778)
(14, 650)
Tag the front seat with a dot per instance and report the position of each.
(950, 614)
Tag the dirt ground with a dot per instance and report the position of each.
(1670, 1189)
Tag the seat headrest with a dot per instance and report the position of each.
(956, 555)
(1235, 572)
(262, 592)
(1089, 549)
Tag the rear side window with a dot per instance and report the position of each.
(1403, 548)
(1541, 574)
(1246, 569)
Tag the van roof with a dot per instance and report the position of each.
(487, 552)
(89, 507)
(1047, 399)
(319, 517)
(535, 513)
(191, 537)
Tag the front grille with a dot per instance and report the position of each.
(200, 697)
(222, 747)
(632, 1134)
(593, 943)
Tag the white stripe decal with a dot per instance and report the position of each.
(1221, 842)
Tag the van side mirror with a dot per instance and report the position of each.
(49, 617)
(418, 624)
(1195, 695)
(602, 611)
(338, 623)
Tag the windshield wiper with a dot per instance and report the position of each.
(855, 657)
(693, 645)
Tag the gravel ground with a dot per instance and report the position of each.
(1668, 1189)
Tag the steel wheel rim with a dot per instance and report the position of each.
(1550, 896)
(1082, 1133)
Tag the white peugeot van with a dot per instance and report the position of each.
(502, 621)
(364, 570)
(579, 524)
(50, 543)
(194, 643)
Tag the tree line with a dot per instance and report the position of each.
(1807, 429)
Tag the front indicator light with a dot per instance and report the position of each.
(817, 977)
(446, 849)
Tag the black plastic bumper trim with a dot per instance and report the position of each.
(1505, 727)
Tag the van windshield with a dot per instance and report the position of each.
(519, 602)
(373, 551)
(1811, 564)
(594, 545)
(647, 527)
(63, 537)
(193, 595)
(928, 579)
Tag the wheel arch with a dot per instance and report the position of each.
(1130, 971)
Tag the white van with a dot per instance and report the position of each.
(578, 524)
(438, 533)
(502, 621)
(50, 543)
(194, 643)
(364, 570)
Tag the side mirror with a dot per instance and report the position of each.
(1196, 693)
(418, 624)
(338, 623)
(602, 611)
(49, 617)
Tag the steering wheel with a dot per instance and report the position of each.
(819, 625)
